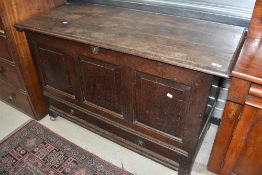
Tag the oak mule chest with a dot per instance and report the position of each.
(146, 81)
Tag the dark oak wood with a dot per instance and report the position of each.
(56, 74)
(170, 102)
(169, 39)
(137, 78)
(102, 84)
(121, 96)
(238, 144)
(16, 65)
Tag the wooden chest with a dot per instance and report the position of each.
(141, 84)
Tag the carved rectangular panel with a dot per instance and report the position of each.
(102, 84)
(161, 103)
(8, 73)
(15, 98)
(55, 69)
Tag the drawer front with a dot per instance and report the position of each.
(15, 98)
(256, 90)
(9, 74)
(254, 97)
(138, 141)
(4, 49)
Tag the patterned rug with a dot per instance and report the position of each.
(35, 150)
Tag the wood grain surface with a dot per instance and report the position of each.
(21, 73)
(199, 45)
(243, 155)
(248, 66)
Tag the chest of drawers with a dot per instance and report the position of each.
(138, 82)
(19, 85)
(238, 144)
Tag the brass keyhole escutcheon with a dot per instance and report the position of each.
(94, 49)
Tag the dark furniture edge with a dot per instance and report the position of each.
(22, 28)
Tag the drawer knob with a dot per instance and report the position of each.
(94, 49)
(2, 70)
(11, 97)
(72, 112)
(140, 143)
(52, 118)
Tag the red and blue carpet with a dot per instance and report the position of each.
(35, 150)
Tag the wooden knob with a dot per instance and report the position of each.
(140, 142)
(72, 112)
(11, 97)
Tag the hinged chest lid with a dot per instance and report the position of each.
(194, 44)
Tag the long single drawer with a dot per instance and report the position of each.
(148, 146)
(15, 98)
(4, 49)
(9, 74)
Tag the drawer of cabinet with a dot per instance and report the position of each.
(9, 74)
(15, 98)
(256, 90)
(131, 138)
(4, 49)
(254, 97)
